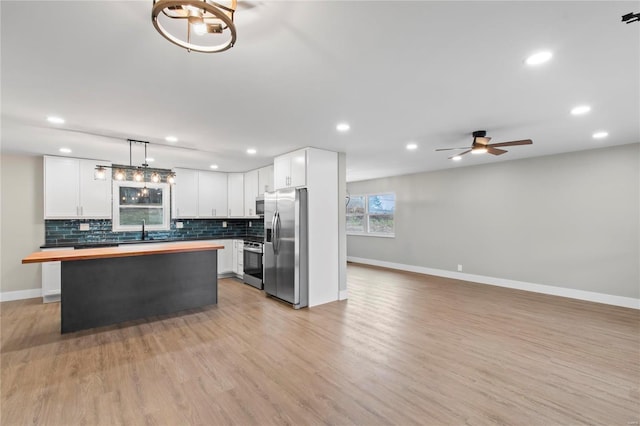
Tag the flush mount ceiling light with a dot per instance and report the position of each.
(55, 120)
(539, 58)
(142, 173)
(210, 23)
(579, 110)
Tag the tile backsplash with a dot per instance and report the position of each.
(68, 231)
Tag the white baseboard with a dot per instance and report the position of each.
(343, 295)
(7, 296)
(608, 299)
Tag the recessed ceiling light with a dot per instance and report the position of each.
(251, 151)
(412, 146)
(171, 139)
(65, 150)
(343, 127)
(600, 135)
(55, 120)
(582, 109)
(539, 58)
(149, 160)
(213, 166)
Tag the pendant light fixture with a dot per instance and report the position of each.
(142, 173)
(199, 25)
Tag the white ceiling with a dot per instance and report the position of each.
(421, 71)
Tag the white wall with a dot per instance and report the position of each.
(22, 224)
(569, 220)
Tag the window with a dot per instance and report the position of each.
(371, 214)
(134, 202)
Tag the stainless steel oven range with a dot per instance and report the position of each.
(253, 263)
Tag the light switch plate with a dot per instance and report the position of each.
(224, 224)
(179, 225)
(84, 227)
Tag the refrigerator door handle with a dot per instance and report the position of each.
(277, 232)
(274, 235)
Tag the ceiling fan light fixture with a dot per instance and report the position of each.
(200, 17)
(479, 151)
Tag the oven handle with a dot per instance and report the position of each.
(253, 250)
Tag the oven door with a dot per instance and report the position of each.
(253, 267)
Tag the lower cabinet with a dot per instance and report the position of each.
(238, 258)
(225, 259)
(51, 279)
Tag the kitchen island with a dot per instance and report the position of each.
(109, 285)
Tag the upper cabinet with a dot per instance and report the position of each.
(185, 193)
(250, 192)
(290, 170)
(71, 192)
(265, 180)
(200, 194)
(236, 194)
(212, 194)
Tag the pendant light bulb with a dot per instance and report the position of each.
(100, 173)
(155, 177)
(119, 175)
(137, 176)
(171, 178)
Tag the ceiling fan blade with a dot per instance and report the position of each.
(481, 141)
(495, 151)
(458, 155)
(513, 143)
(449, 149)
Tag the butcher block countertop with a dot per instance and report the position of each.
(120, 251)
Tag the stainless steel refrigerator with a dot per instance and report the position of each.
(285, 246)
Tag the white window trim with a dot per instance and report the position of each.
(366, 233)
(166, 207)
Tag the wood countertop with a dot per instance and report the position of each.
(120, 251)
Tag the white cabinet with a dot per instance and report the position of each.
(238, 258)
(236, 194)
(51, 279)
(212, 194)
(200, 194)
(250, 192)
(71, 192)
(290, 170)
(265, 179)
(185, 193)
(225, 257)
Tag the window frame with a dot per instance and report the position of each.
(367, 215)
(166, 206)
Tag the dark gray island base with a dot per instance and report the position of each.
(110, 285)
(98, 292)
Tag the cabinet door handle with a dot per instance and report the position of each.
(250, 212)
(229, 212)
(177, 212)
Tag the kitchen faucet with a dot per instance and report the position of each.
(142, 230)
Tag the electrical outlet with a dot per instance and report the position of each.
(249, 224)
(224, 224)
(459, 268)
(179, 225)
(84, 227)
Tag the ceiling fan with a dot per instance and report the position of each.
(481, 145)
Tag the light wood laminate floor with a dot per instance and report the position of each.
(404, 349)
